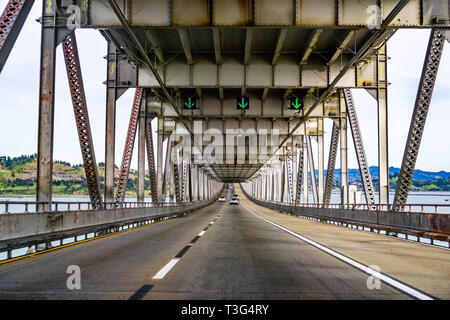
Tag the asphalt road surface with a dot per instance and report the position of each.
(238, 256)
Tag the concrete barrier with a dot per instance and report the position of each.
(426, 222)
(21, 229)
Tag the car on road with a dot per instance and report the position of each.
(222, 199)
(234, 201)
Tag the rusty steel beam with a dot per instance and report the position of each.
(72, 61)
(151, 158)
(366, 178)
(128, 149)
(110, 121)
(140, 187)
(299, 177)
(46, 107)
(419, 117)
(11, 22)
(374, 39)
(331, 163)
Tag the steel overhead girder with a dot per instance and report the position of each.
(11, 22)
(419, 117)
(375, 38)
(128, 149)
(366, 178)
(331, 163)
(72, 61)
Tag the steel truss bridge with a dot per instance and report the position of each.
(220, 77)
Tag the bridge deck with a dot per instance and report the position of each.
(422, 266)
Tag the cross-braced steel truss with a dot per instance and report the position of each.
(72, 61)
(366, 178)
(128, 149)
(331, 163)
(419, 117)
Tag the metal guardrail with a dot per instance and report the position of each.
(7, 207)
(420, 224)
(413, 207)
(18, 230)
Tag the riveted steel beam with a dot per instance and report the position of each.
(11, 22)
(46, 106)
(299, 177)
(128, 149)
(72, 62)
(185, 39)
(311, 44)
(151, 157)
(312, 169)
(342, 46)
(156, 43)
(167, 168)
(364, 171)
(419, 117)
(140, 186)
(217, 45)
(331, 163)
(355, 58)
(279, 46)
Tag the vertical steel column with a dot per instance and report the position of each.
(305, 170)
(74, 76)
(343, 149)
(364, 171)
(331, 162)
(294, 171)
(110, 124)
(46, 105)
(312, 169)
(200, 184)
(166, 169)
(159, 159)
(321, 162)
(11, 22)
(419, 117)
(140, 187)
(382, 102)
(128, 148)
(283, 181)
(190, 195)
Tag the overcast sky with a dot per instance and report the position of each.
(19, 92)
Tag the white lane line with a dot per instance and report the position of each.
(394, 283)
(161, 273)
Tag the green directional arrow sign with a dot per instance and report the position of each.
(189, 103)
(242, 103)
(295, 103)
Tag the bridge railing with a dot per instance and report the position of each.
(419, 224)
(413, 207)
(33, 206)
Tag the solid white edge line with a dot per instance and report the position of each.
(161, 273)
(201, 233)
(398, 285)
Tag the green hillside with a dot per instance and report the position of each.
(18, 177)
